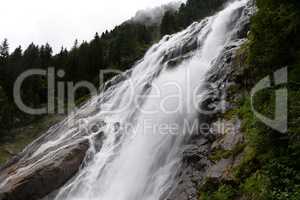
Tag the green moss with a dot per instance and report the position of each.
(256, 187)
(224, 192)
(247, 165)
(220, 154)
(230, 114)
(224, 154)
(4, 155)
(241, 59)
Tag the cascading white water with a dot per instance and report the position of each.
(141, 166)
(149, 110)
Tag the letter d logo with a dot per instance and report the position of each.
(280, 123)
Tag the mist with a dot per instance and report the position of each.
(154, 15)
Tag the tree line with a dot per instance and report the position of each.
(116, 49)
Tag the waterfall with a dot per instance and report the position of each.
(137, 124)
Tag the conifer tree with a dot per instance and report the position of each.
(4, 49)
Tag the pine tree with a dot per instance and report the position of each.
(168, 24)
(46, 56)
(96, 55)
(11, 71)
(4, 53)
(75, 45)
(4, 49)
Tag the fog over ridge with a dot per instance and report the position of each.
(154, 15)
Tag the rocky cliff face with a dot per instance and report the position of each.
(201, 163)
(209, 156)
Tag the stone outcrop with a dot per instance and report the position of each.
(230, 141)
(40, 180)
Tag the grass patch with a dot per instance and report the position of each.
(256, 187)
(224, 192)
(19, 138)
(224, 154)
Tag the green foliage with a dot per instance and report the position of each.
(224, 192)
(18, 139)
(275, 35)
(118, 49)
(269, 168)
(4, 49)
(224, 154)
(275, 43)
(256, 187)
(168, 24)
(193, 10)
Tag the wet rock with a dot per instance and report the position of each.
(177, 61)
(117, 126)
(191, 45)
(98, 141)
(194, 153)
(94, 129)
(216, 172)
(194, 165)
(176, 55)
(228, 134)
(221, 171)
(243, 26)
(118, 138)
(228, 138)
(97, 126)
(40, 180)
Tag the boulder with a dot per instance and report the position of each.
(39, 180)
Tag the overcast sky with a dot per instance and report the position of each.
(60, 22)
